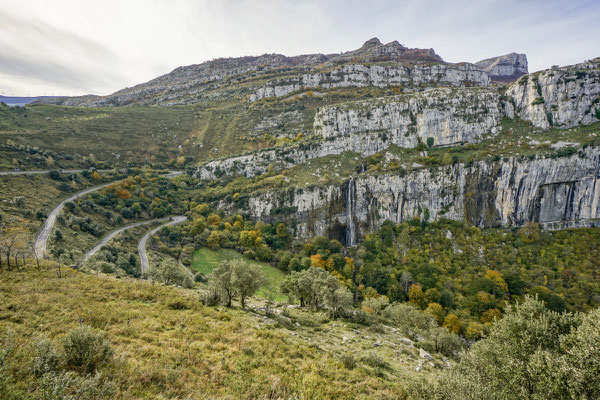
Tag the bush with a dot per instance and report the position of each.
(69, 385)
(46, 358)
(531, 353)
(348, 361)
(20, 201)
(409, 320)
(179, 305)
(86, 349)
(375, 361)
(209, 298)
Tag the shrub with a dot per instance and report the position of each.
(69, 385)
(531, 353)
(86, 349)
(209, 298)
(376, 361)
(179, 305)
(409, 320)
(443, 341)
(538, 100)
(20, 201)
(348, 361)
(46, 358)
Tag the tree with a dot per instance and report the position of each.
(490, 316)
(12, 240)
(169, 273)
(290, 287)
(315, 287)
(246, 279)
(409, 320)
(222, 281)
(415, 295)
(452, 323)
(531, 353)
(214, 240)
(339, 301)
(436, 311)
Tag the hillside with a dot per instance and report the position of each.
(166, 344)
(376, 223)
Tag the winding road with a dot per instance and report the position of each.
(41, 241)
(111, 235)
(142, 245)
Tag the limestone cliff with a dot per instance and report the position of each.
(377, 75)
(447, 116)
(506, 68)
(562, 97)
(556, 192)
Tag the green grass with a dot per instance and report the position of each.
(168, 345)
(205, 260)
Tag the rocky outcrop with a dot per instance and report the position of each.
(373, 51)
(562, 97)
(447, 116)
(555, 192)
(228, 77)
(360, 75)
(506, 68)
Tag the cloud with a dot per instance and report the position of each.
(39, 54)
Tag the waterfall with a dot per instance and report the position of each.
(350, 228)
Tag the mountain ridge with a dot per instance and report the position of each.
(201, 78)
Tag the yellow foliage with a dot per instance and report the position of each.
(497, 278)
(436, 310)
(491, 315)
(474, 331)
(415, 295)
(452, 323)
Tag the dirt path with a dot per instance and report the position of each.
(41, 241)
(142, 245)
(111, 235)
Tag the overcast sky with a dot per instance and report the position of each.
(100, 46)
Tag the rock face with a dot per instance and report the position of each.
(447, 116)
(377, 75)
(506, 68)
(229, 77)
(557, 193)
(562, 97)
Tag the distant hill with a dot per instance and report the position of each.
(21, 101)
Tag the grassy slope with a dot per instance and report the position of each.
(197, 351)
(41, 193)
(125, 135)
(205, 260)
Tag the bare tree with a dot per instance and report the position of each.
(10, 238)
(37, 260)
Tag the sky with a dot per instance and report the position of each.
(74, 47)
